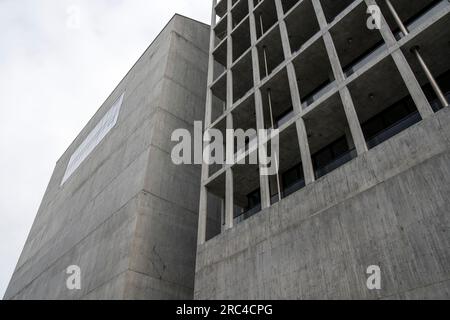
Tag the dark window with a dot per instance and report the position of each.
(391, 122)
(292, 176)
(292, 180)
(332, 157)
(339, 147)
(444, 82)
(388, 117)
(254, 199)
(330, 153)
(323, 157)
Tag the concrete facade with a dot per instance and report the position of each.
(127, 216)
(364, 171)
(364, 163)
(389, 208)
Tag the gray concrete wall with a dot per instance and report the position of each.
(389, 207)
(122, 216)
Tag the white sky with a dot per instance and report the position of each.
(59, 60)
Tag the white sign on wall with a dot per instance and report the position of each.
(93, 139)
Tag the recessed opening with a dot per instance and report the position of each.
(220, 59)
(301, 24)
(434, 48)
(218, 108)
(244, 118)
(356, 44)
(221, 8)
(219, 158)
(314, 73)
(270, 52)
(332, 8)
(265, 16)
(219, 97)
(247, 191)
(219, 70)
(215, 207)
(412, 13)
(277, 101)
(288, 4)
(239, 12)
(383, 103)
(242, 77)
(241, 39)
(220, 31)
(290, 176)
(329, 137)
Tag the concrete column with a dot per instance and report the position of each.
(347, 101)
(302, 135)
(263, 179)
(229, 103)
(229, 199)
(229, 57)
(203, 204)
(222, 215)
(203, 213)
(229, 187)
(416, 92)
(253, 40)
(305, 152)
(348, 138)
(213, 18)
(353, 121)
(283, 30)
(229, 184)
(208, 109)
(320, 14)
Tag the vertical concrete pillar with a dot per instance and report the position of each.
(229, 182)
(208, 109)
(347, 101)
(305, 152)
(416, 92)
(203, 204)
(229, 56)
(229, 199)
(283, 30)
(263, 179)
(203, 213)
(302, 135)
(348, 138)
(353, 121)
(229, 187)
(222, 215)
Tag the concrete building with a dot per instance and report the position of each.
(116, 205)
(364, 169)
(364, 162)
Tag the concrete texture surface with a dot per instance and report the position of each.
(127, 217)
(388, 207)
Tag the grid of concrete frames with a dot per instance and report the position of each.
(332, 86)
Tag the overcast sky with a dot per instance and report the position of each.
(59, 60)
